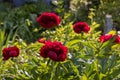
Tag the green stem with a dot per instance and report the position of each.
(64, 67)
(75, 69)
(48, 62)
(53, 70)
(96, 66)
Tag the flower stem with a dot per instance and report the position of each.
(75, 69)
(53, 70)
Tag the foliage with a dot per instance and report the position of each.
(87, 59)
(23, 20)
(81, 10)
(108, 7)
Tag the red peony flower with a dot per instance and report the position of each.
(117, 40)
(105, 37)
(41, 40)
(48, 20)
(81, 27)
(54, 50)
(10, 52)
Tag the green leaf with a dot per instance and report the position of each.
(72, 42)
(35, 46)
(84, 77)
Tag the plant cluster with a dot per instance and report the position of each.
(50, 45)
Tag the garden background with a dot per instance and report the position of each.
(88, 56)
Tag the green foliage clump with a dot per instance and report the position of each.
(87, 58)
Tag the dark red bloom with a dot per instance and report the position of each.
(54, 50)
(10, 52)
(105, 37)
(81, 27)
(48, 20)
(41, 40)
(117, 40)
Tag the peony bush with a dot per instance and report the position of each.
(65, 50)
